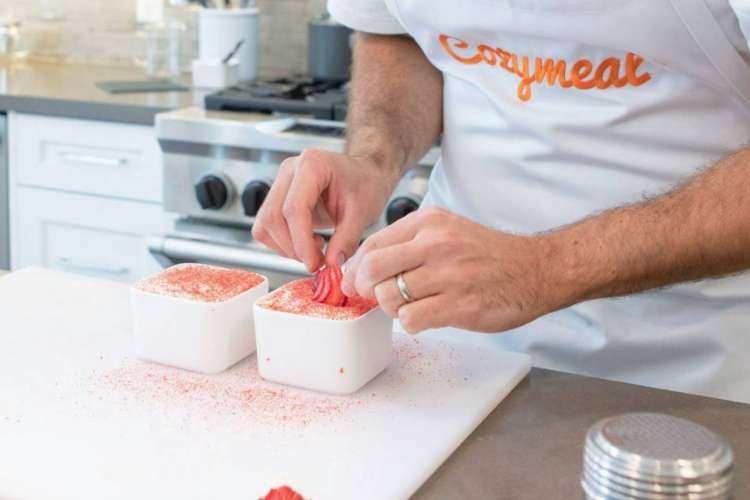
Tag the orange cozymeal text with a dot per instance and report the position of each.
(582, 74)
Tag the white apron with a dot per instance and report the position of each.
(557, 109)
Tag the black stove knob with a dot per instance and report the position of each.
(212, 192)
(253, 197)
(400, 207)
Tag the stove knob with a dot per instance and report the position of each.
(253, 197)
(212, 192)
(400, 207)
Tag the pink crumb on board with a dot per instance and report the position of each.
(241, 394)
(200, 282)
(296, 298)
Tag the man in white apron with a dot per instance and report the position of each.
(591, 149)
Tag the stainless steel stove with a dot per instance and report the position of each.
(217, 169)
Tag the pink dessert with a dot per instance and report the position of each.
(200, 282)
(297, 298)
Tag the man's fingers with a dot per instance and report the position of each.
(421, 283)
(432, 312)
(401, 231)
(345, 239)
(270, 228)
(320, 242)
(385, 263)
(304, 193)
(274, 247)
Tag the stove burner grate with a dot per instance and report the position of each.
(322, 100)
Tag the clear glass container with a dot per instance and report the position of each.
(12, 44)
(161, 48)
(186, 13)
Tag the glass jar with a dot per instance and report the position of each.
(161, 46)
(12, 44)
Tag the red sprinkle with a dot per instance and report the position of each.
(341, 370)
(237, 393)
(282, 493)
(296, 298)
(200, 282)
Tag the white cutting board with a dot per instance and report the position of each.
(80, 418)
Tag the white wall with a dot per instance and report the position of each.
(104, 31)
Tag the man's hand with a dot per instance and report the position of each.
(319, 189)
(460, 274)
(394, 116)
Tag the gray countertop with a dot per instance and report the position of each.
(530, 447)
(69, 90)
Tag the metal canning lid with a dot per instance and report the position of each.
(650, 456)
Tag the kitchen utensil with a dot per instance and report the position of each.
(649, 456)
(204, 336)
(232, 52)
(82, 419)
(331, 355)
(329, 53)
(221, 29)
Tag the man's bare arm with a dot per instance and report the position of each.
(699, 230)
(396, 103)
(469, 276)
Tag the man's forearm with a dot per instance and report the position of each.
(396, 102)
(699, 230)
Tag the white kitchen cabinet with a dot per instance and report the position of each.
(84, 196)
(109, 159)
(95, 236)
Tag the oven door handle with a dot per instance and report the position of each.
(169, 250)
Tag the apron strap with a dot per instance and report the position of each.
(714, 42)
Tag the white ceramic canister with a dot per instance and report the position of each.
(221, 29)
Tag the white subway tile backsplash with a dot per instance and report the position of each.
(105, 31)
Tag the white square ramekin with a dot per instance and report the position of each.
(206, 337)
(337, 356)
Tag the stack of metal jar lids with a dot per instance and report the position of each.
(651, 456)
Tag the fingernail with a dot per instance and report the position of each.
(341, 259)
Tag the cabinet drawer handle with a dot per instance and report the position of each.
(71, 265)
(99, 161)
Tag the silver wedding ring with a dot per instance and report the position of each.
(403, 289)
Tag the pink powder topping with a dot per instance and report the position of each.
(239, 398)
(238, 392)
(296, 298)
(200, 282)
